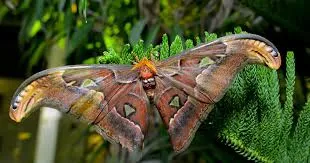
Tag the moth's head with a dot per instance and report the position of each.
(25, 101)
(146, 68)
(256, 48)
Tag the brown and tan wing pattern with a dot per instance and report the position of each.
(107, 96)
(189, 84)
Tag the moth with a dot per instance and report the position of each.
(115, 98)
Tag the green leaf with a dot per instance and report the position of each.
(189, 44)
(155, 52)
(25, 4)
(83, 8)
(126, 55)
(152, 33)
(68, 20)
(228, 33)
(149, 51)
(176, 46)
(289, 103)
(92, 60)
(47, 15)
(35, 28)
(210, 37)
(164, 47)
(136, 31)
(79, 36)
(198, 41)
(62, 42)
(31, 23)
(110, 57)
(3, 11)
(300, 143)
(39, 9)
(37, 55)
(138, 49)
(61, 5)
(238, 30)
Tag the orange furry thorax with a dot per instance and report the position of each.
(147, 68)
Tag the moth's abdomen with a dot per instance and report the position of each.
(148, 83)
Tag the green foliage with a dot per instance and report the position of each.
(189, 44)
(198, 41)
(136, 31)
(45, 23)
(138, 49)
(82, 7)
(125, 55)
(300, 140)
(110, 57)
(250, 118)
(111, 23)
(238, 30)
(79, 36)
(210, 36)
(176, 46)
(164, 50)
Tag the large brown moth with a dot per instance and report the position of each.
(115, 98)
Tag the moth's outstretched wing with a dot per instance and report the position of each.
(107, 96)
(189, 84)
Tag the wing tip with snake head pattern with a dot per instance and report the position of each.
(106, 96)
(30, 90)
(26, 95)
(259, 49)
(205, 84)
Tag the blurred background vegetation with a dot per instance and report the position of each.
(36, 34)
